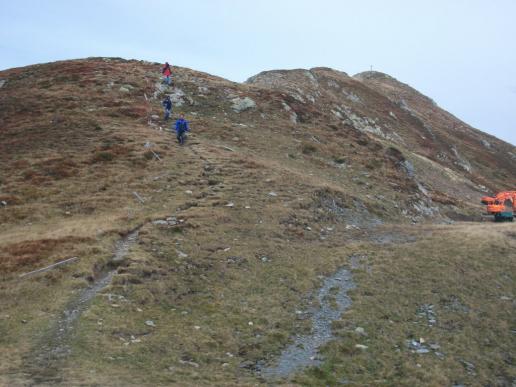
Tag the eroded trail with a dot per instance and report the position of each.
(333, 300)
(43, 363)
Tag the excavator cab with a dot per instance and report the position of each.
(506, 211)
(487, 200)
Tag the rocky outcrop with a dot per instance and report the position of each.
(241, 104)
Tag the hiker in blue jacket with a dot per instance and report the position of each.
(167, 105)
(181, 128)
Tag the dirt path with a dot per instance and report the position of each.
(43, 363)
(303, 352)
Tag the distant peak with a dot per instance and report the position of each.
(273, 76)
(372, 75)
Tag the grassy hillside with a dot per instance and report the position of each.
(215, 272)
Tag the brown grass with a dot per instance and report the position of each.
(16, 256)
(83, 207)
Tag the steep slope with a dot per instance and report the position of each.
(214, 249)
(453, 142)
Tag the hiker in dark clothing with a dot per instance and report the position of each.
(167, 105)
(181, 128)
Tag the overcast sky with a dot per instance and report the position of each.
(461, 53)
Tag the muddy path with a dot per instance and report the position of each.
(332, 300)
(43, 363)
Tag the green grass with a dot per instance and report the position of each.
(464, 271)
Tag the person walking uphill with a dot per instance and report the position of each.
(167, 72)
(167, 105)
(181, 128)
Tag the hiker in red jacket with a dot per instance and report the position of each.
(166, 71)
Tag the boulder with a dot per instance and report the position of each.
(241, 104)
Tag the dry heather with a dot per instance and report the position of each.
(238, 229)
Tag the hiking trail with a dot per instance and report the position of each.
(303, 352)
(43, 365)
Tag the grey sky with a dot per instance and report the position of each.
(460, 53)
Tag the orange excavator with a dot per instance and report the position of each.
(502, 206)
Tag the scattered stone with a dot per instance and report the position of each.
(485, 143)
(265, 259)
(124, 89)
(225, 364)
(470, 367)
(427, 311)
(160, 222)
(197, 327)
(188, 192)
(241, 104)
(4, 203)
(360, 331)
(180, 254)
(361, 346)
(24, 321)
(419, 347)
(236, 259)
(190, 363)
(407, 167)
(139, 310)
(460, 160)
(150, 323)
(246, 364)
(505, 298)
(178, 97)
(230, 204)
(2, 82)
(155, 117)
(134, 340)
(273, 194)
(250, 323)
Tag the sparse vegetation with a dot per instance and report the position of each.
(237, 231)
(103, 156)
(308, 148)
